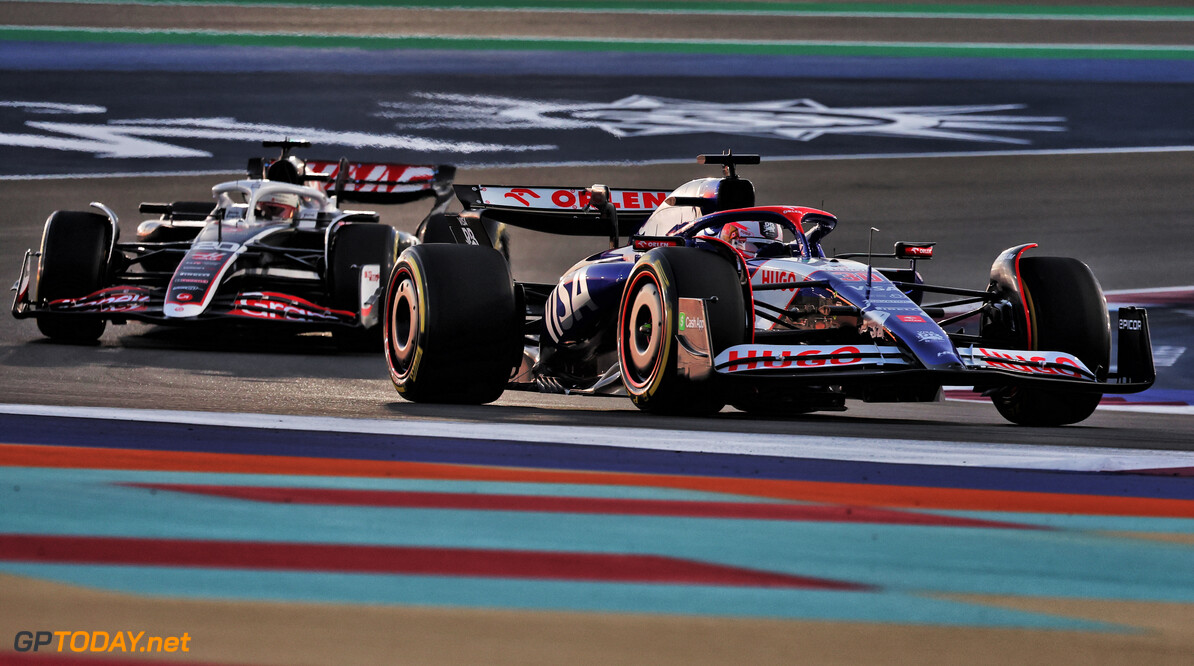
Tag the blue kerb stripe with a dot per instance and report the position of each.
(195, 438)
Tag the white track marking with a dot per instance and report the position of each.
(620, 162)
(1180, 410)
(1149, 291)
(860, 449)
(131, 174)
(1166, 356)
(865, 156)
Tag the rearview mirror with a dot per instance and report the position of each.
(910, 250)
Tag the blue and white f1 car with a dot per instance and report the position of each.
(716, 300)
(273, 248)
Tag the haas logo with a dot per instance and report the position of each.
(518, 193)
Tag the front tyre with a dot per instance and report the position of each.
(453, 332)
(73, 264)
(648, 327)
(1066, 312)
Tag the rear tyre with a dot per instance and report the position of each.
(1067, 312)
(648, 326)
(73, 264)
(453, 331)
(352, 247)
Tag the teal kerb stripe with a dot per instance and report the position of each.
(463, 43)
(877, 9)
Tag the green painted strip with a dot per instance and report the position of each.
(1075, 12)
(465, 43)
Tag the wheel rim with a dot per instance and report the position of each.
(644, 332)
(404, 318)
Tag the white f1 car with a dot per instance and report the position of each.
(275, 248)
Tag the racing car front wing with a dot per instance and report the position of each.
(980, 365)
(132, 302)
(139, 302)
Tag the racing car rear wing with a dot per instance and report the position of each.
(381, 183)
(559, 210)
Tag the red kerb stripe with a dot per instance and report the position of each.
(491, 563)
(586, 505)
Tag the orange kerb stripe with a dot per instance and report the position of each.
(857, 494)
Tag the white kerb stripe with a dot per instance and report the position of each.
(860, 449)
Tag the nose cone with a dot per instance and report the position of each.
(183, 310)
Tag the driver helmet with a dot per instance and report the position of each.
(749, 237)
(277, 206)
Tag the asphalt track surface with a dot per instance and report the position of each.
(303, 375)
(1126, 214)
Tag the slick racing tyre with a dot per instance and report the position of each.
(74, 263)
(648, 326)
(453, 330)
(351, 247)
(1067, 312)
